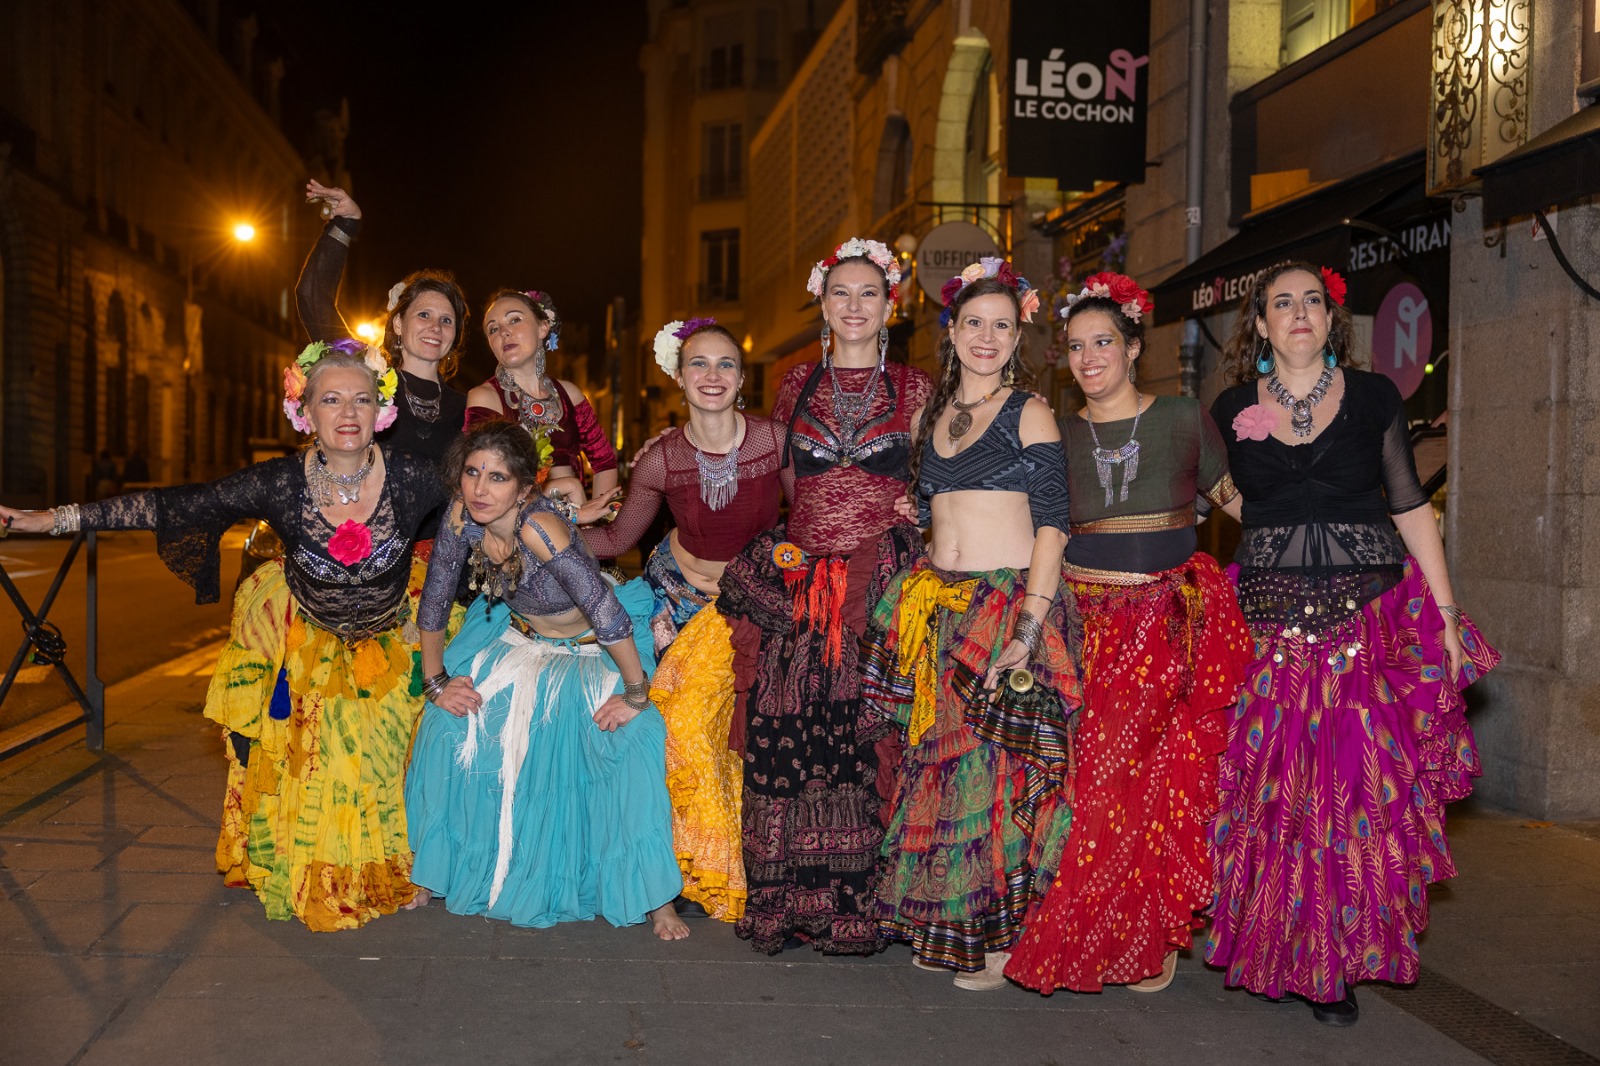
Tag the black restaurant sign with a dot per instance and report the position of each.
(1078, 92)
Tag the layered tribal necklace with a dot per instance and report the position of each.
(425, 411)
(1127, 457)
(326, 484)
(719, 478)
(533, 412)
(1300, 413)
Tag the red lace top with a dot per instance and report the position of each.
(844, 490)
(577, 433)
(669, 472)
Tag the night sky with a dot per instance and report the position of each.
(500, 141)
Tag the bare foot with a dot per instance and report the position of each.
(420, 900)
(667, 925)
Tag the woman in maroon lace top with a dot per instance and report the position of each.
(797, 598)
(722, 481)
(523, 327)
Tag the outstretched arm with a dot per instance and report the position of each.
(316, 294)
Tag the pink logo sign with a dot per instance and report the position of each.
(1402, 337)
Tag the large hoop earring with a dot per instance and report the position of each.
(1264, 362)
(827, 344)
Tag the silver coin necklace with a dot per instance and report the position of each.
(1127, 457)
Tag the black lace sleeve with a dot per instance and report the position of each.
(316, 294)
(1047, 485)
(189, 520)
(450, 550)
(1401, 487)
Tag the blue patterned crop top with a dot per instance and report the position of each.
(998, 461)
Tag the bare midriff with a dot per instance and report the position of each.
(703, 574)
(978, 530)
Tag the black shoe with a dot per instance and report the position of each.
(1264, 997)
(688, 908)
(1341, 1012)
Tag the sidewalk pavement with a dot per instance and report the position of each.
(119, 944)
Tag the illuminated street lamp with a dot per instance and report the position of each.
(366, 331)
(244, 232)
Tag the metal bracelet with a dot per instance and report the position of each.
(1029, 630)
(636, 694)
(65, 519)
(1452, 612)
(433, 687)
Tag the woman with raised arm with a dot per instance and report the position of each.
(1164, 651)
(536, 790)
(1351, 734)
(968, 652)
(523, 328)
(314, 691)
(797, 598)
(721, 479)
(424, 335)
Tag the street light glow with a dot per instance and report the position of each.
(244, 232)
(366, 330)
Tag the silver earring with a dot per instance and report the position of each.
(883, 346)
(827, 343)
(739, 403)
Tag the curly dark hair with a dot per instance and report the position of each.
(1132, 332)
(444, 283)
(1245, 345)
(506, 440)
(950, 366)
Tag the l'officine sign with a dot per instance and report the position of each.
(1079, 91)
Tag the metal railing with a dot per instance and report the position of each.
(43, 643)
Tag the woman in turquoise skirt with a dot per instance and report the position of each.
(537, 789)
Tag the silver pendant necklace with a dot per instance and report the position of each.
(1126, 457)
(1300, 416)
(719, 478)
(325, 483)
(424, 410)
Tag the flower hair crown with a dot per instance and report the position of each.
(669, 341)
(296, 373)
(858, 248)
(547, 308)
(990, 266)
(1122, 290)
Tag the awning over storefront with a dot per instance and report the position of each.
(1559, 165)
(1315, 227)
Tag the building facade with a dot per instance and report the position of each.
(135, 324)
(1361, 134)
(713, 70)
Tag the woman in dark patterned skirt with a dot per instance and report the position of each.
(797, 598)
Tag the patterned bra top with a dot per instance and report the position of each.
(998, 461)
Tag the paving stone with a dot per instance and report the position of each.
(295, 978)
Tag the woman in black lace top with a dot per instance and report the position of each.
(537, 790)
(314, 690)
(1350, 736)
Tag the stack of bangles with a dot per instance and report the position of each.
(64, 519)
(636, 694)
(1029, 630)
(433, 687)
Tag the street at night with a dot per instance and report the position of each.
(800, 531)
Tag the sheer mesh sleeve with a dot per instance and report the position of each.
(1400, 483)
(1213, 479)
(1047, 485)
(189, 520)
(647, 486)
(592, 440)
(316, 294)
(450, 549)
(579, 575)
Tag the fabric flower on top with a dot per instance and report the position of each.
(350, 543)
(1255, 422)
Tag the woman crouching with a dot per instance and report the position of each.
(536, 791)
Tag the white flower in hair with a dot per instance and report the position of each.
(668, 346)
(856, 247)
(394, 294)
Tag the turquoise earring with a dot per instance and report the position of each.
(1264, 365)
(1329, 360)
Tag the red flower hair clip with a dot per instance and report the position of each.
(1334, 283)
